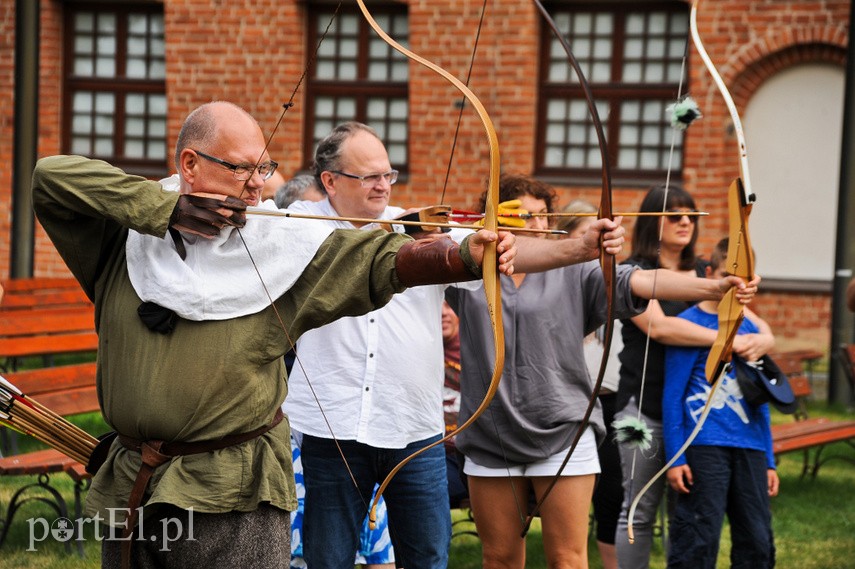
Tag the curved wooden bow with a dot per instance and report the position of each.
(489, 266)
(740, 262)
(607, 262)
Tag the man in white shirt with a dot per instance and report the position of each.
(378, 379)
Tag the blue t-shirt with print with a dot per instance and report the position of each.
(732, 422)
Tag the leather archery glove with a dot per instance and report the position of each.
(205, 215)
(512, 212)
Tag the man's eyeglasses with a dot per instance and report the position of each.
(687, 213)
(370, 181)
(243, 172)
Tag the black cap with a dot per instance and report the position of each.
(764, 382)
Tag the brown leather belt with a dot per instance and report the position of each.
(155, 453)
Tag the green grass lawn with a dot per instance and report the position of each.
(814, 520)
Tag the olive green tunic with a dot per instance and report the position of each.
(206, 379)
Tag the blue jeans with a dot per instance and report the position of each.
(416, 500)
(726, 480)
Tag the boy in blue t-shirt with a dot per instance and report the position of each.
(729, 468)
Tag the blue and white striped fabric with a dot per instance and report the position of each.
(375, 547)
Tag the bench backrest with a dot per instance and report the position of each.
(25, 294)
(65, 390)
(25, 285)
(47, 331)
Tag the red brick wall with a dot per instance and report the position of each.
(800, 320)
(253, 54)
(7, 98)
(47, 260)
(250, 53)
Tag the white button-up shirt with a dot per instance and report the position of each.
(377, 377)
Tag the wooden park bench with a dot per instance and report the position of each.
(39, 320)
(810, 435)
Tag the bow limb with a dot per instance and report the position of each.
(740, 255)
(489, 264)
(740, 262)
(607, 262)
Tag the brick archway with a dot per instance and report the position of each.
(753, 75)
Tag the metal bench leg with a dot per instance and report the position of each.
(18, 500)
(79, 487)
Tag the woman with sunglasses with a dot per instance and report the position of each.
(659, 243)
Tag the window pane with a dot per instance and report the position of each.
(84, 22)
(655, 73)
(398, 108)
(157, 105)
(136, 45)
(157, 70)
(555, 134)
(323, 128)
(103, 147)
(136, 68)
(553, 157)
(84, 44)
(555, 110)
(325, 70)
(347, 71)
(347, 47)
(324, 106)
(138, 24)
(400, 71)
(134, 127)
(326, 49)
(349, 23)
(81, 145)
(649, 160)
(107, 45)
(105, 103)
(81, 124)
(575, 158)
(398, 131)
(107, 24)
(135, 103)
(559, 72)
(134, 148)
(157, 127)
(601, 72)
(105, 67)
(628, 159)
(104, 124)
(156, 149)
(378, 71)
(346, 107)
(83, 67)
(657, 23)
(82, 102)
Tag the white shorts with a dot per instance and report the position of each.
(583, 461)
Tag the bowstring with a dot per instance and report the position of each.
(662, 222)
(462, 103)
